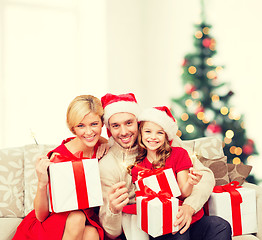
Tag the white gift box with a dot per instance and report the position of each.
(219, 204)
(74, 185)
(153, 182)
(154, 212)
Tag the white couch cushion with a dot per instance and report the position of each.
(11, 182)
(8, 227)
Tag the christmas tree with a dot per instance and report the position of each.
(204, 109)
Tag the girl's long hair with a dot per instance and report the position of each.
(162, 153)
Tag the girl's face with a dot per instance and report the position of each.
(89, 129)
(153, 136)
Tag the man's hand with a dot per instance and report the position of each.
(118, 197)
(184, 217)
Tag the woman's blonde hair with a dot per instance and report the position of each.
(163, 152)
(80, 107)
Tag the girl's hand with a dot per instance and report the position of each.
(194, 176)
(102, 150)
(42, 163)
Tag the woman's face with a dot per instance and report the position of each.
(89, 129)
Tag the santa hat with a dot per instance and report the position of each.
(113, 104)
(163, 117)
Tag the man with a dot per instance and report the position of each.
(120, 118)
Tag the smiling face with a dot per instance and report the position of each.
(124, 129)
(153, 136)
(88, 131)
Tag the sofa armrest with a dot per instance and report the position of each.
(259, 206)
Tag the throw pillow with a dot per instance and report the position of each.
(238, 172)
(11, 182)
(218, 167)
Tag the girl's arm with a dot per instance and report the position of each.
(183, 183)
(186, 180)
(41, 204)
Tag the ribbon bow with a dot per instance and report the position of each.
(78, 156)
(145, 172)
(150, 194)
(231, 189)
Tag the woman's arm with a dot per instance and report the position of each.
(41, 204)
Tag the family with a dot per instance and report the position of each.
(138, 139)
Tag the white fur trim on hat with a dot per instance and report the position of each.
(120, 107)
(162, 119)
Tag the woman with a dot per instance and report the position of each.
(84, 119)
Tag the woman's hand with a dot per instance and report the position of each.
(42, 163)
(102, 150)
(194, 176)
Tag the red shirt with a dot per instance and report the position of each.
(178, 160)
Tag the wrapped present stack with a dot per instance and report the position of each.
(74, 184)
(157, 205)
(235, 204)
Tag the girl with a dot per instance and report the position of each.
(157, 130)
(84, 119)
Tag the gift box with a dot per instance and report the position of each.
(74, 185)
(159, 180)
(156, 213)
(235, 204)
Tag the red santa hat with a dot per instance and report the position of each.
(113, 104)
(163, 117)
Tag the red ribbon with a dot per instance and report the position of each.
(78, 156)
(79, 177)
(164, 197)
(236, 200)
(160, 175)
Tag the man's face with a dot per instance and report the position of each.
(124, 129)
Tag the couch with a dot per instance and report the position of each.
(18, 181)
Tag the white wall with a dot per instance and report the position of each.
(53, 50)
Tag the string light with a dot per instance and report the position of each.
(215, 98)
(232, 149)
(233, 114)
(190, 128)
(227, 140)
(209, 61)
(201, 115)
(206, 30)
(212, 46)
(224, 110)
(195, 94)
(198, 34)
(238, 151)
(229, 134)
(184, 117)
(188, 102)
(192, 70)
(205, 121)
(179, 133)
(236, 160)
(250, 158)
(219, 68)
(211, 74)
